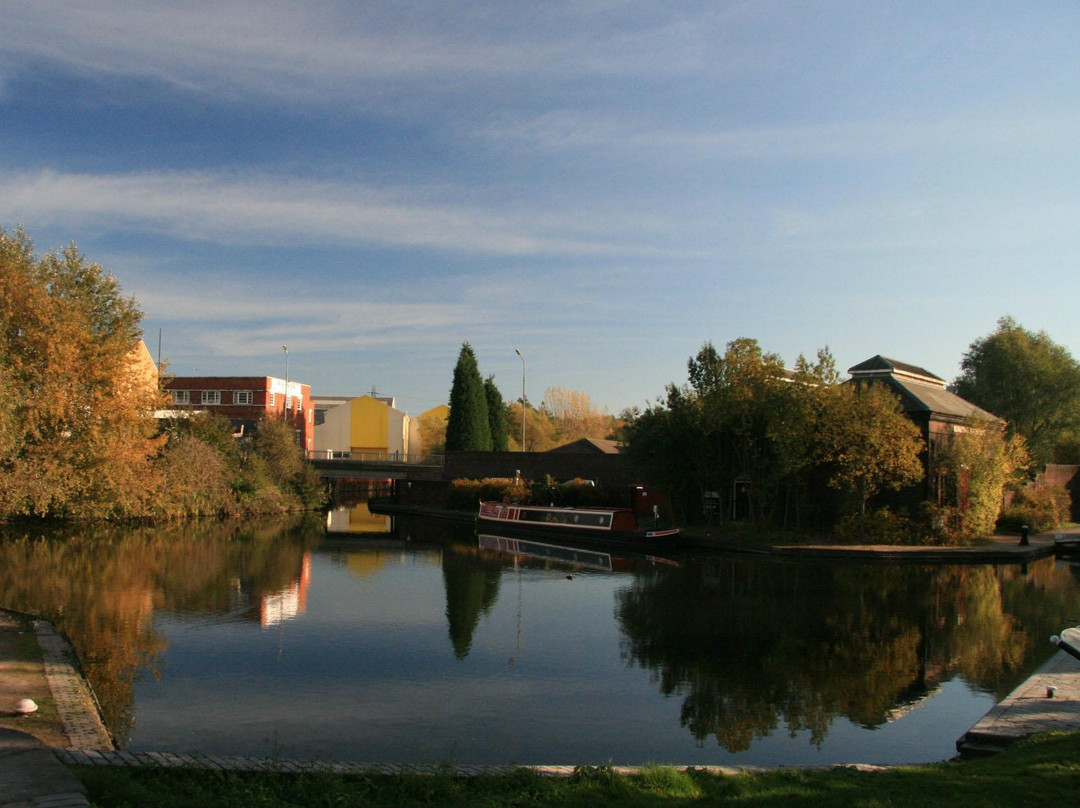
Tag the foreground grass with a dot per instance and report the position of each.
(1039, 772)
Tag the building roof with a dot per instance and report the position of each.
(589, 446)
(204, 382)
(325, 402)
(920, 391)
(882, 365)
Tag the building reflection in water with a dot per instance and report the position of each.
(287, 603)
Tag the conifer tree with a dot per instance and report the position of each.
(468, 428)
(500, 437)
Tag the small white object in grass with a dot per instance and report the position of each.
(25, 706)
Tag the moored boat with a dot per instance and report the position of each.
(600, 524)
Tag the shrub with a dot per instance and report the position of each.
(465, 495)
(1039, 508)
(880, 527)
(576, 493)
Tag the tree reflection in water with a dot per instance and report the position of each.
(102, 586)
(751, 645)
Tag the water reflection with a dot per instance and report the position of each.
(357, 518)
(428, 643)
(102, 587)
(751, 646)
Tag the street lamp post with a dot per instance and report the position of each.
(522, 358)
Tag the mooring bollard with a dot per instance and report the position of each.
(1024, 536)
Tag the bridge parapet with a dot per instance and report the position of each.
(378, 457)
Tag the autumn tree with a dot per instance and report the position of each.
(575, 416)
(761, 436)
(1028, 380)
(978, 462)
(468, 427)
(433, 434)
(540, 429)
(77, 421)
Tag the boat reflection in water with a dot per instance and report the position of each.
(581, 558)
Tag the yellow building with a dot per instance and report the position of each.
(364, 425)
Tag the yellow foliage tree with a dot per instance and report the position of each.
(76, 426)
(574, 415)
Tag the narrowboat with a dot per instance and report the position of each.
(599, 524)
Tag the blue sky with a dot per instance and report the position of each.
(604, 186)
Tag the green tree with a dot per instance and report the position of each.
(468, 427)
(78, 432)
(500, 438)
(744, 393)
(792, 427)
(196, 478)
(666, 446)
(275, 443)
(733, 430)
(1027, 379)
(867, 442)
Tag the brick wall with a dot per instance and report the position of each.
(1067, 477)
(258, 388)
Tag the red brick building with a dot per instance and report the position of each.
(246, 400)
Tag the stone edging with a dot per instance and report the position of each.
(168, 760)
(75, 701)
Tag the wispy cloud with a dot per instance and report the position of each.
(856, 138)
(284, 49)
(230, 209)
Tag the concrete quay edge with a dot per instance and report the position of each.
(1047, 701)
(239, 763)
(31, 775)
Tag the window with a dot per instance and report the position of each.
(273, 399)
(211, 396)
(181, 396)
(241, 397)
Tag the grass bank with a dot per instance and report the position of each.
(1040, 771)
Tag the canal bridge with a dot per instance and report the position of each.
(377, 465)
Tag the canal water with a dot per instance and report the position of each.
(425, 643)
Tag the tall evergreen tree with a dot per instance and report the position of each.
(500, 437)
(468, 428)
